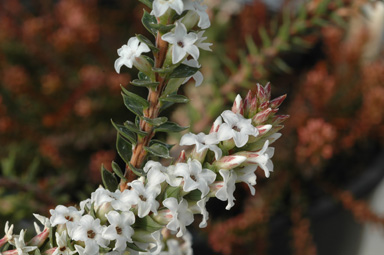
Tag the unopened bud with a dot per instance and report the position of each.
(216, 125)
(247, 104)
(261, 117)
(181, 158)
(275, 103)
(190, 20)
(238, 105)
(143, 65)
(229, 162)
(40, 238)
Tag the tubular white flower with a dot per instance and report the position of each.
(200, 42)
(263, 158)
(201, 10)
(228, 187)
(195, 177)
(119, 229)
(65, 215)
(129, 52)
(101, 196)
(161, 6)
(198, 76)
(125, 200)
(247, 175)
(152, 242)
(202, 142)
(62, 249)
(181, 215)
(183, 43)
(236, 127)
(90, 232)
(19, 243)
(200, 207)
(146, 201)
(8, 234)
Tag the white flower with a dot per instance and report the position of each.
(236, 127)
(152, 242)
(247, 175)
(182, 43)
(90, 231)
(195, 177)
(129, 52)
(161, 6)
(43, 220)
(8, 231)
(263, 158)
(202, 45)
(228, 187)
(101, 196)
(61, 240)
(198, 76)
(146, 201)
(65, 215)
(202, 142)
(181, 215)
(200, 208)
(119, 229)
(201, 10)
(19, 243)
(125, 200)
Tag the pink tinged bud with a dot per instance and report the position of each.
(279, 119)
(263, 129)
(262, 116)
(260, 94)
(11, 252)
(264, 106)
(275, 103)
(253, 107)
(50, 251)
(3, 241)
(181, 158)
(238, 105)
(216, 125)
(247, 103)
(40, 238)
(229, 162)
(267, 91)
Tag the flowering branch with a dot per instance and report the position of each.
(149, 215)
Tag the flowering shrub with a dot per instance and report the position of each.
(149, 214)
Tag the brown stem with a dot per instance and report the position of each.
(138, 153)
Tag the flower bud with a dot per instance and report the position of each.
(229, 162)
(102, 210)
(190, 20)
(40, 238)
(216, 125)
(275, 103)
(238, 105)
(247, 104)
(181, 158)
(143, 65)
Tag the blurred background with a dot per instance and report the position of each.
(59, 91)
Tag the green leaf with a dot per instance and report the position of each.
(157, 121)
(172, 192)
(116, 168)
(144, 83)
(132, 127)
(173, 85)
(282, 65)
(37, 251)
(164, 70)
(125, 132)
(175, 99)
(137, 171)
(148, 20)
(183, 71)
(158, 150)
(109, 179)
(148, 42)
(162, 28)
(133, 102)
(124, 148)
(265, 37)
(170, 127)
(154, 141)
(251, 45)
(147, 224)
(134, 247)
(143, 76)
(194, 195)
(147, 3)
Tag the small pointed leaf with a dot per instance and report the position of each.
(164, 70)
(147, 224)
(109, 179)
(137, 171)
(148, 20)
(132, 127)
(183, 71)
(116, 168)
(147, 3)
(162, 28)
(175, 99)
(133, 102)
(172, 192)
(125, 132)
(124, 148)
(194, 195)
(170, 127)
(158, 150)
(173, 85)
(135, 247)
(156, 122)
(143, 76)
(154, 141)
(144, 83)
(148, 42)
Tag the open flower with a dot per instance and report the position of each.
(227, 188)
(201, 10)
(181, 215)
(21, 248)
(65, 215)
(183, 43)
(8, 234)
(146, 198)
(161, 6)
(236, 127)
(200, 42)
(195, 177)
(198, 76)
(90, 231)
(247, 175)
(62, 249)
(202, 142)
(119, 229)
(129, 52)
